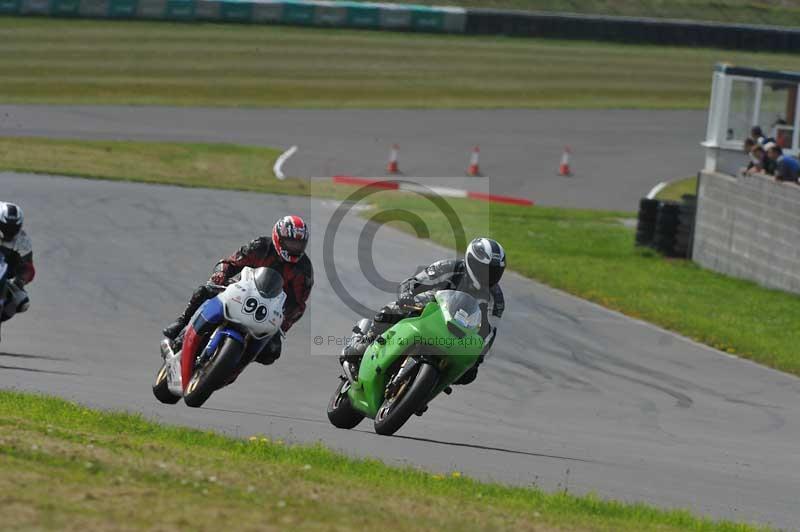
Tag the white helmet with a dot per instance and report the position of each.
(10, 221)
(486, 261)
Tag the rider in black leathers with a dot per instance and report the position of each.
(478, 274)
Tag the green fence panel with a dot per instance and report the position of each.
(65, 8)
(427, 19)
(9, 7)
(152, 9)
(122, 8)
(395, 18)
(268, 12)
(363, 16)
(298, 13)
(35, 7)
(329, 14)
(94, 8)
(236, 11)
(204, 10)
(179, 10)
(455, 20)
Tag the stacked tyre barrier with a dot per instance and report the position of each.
(435, 19)
(687, 211)
(646, 224)
(667, 226)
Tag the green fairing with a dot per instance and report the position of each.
(409, 336)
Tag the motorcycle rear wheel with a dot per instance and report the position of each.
(214, 374)
(341, 413)
(393, 413)
(161, 387)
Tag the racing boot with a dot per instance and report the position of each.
(350, 359)
(200, 296)
(172, 330)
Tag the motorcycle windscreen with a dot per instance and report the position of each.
(269, 282)
(460, 307)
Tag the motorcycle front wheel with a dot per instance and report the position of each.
(396, 410)
(341, 413)
(161, 387)
(214, 374)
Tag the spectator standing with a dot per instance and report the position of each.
(787, 168)
(756, 134)
(759, 162)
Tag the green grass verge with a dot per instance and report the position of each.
(130, 62)
(224, 166)
(65, 467)
(584, 252)
(677, 188)
(784, 13)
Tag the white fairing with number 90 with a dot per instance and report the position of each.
(255, 301)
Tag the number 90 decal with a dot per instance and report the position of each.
(251, 306)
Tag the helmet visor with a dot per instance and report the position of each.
(8, 231)
(495, 273)
(293, 247)
(485, 274)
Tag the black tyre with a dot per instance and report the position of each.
(669, 206)
(644, 239)
(341, 413)
(394, 412)
(668, 219)
(215, 374)
(646, 227)
(161, 390)
(648, 207)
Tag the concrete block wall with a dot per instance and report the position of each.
(749, 227)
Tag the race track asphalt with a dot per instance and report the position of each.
(618, 155)
(575, 397)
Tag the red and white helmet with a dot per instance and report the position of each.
(290, 237)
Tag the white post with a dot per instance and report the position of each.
(717, 108)
(796, 131)
(757, 106)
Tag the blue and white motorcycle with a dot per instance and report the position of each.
(226, 333)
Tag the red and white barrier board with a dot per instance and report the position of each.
(423, 189)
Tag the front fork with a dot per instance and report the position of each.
(172, 361)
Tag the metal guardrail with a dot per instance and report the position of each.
(407, 17)
(302, 13)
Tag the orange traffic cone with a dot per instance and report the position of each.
(474, 169)
(393, 167)
(563, 168)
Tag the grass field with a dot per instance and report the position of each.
(187, 164)
(677, 188)
(587, 253)
(776, 12)
(127, 62)
(67, 468)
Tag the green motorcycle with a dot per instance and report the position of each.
(411, 363)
